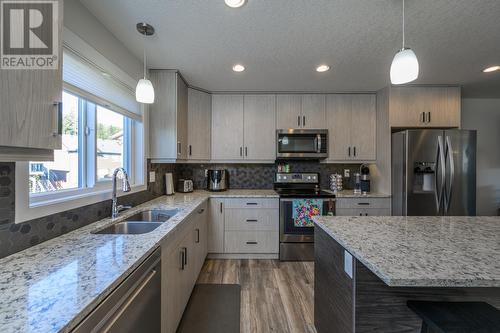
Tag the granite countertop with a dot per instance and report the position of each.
(350, 194)
(52, 286)
(422, 251)
(244, 193)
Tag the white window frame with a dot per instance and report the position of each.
(31, 206)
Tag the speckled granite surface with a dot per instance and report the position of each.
(245, 193)
(350, 194)
(422, 251)
(50, 287)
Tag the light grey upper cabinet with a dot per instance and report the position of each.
(168, 116)
(424, 106)
(259, 127)
(351, 121)
(31, 109)
(227, 127)
(300, 111)
(313, 111)
(288, 111)
(243, 127)
(199, 124)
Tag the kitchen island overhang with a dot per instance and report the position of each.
(366, 268)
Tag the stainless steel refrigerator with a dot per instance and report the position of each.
(434, 172)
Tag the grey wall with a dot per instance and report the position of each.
(483, 115)
(82, 22)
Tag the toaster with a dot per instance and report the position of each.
(184, 185)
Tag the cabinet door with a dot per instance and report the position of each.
(288, 113)
(227, 127)
(406, 107)
(182, 118)
(364, 127)
(260, 127)
(313, 111)
(446, 110)
(162, 115)
(215, 233)
(199, 235)
(30, 101)
(338, 116)
(173, 286)
(199, 123)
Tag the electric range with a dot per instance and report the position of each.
(300, 199)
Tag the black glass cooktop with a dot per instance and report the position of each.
(304, 193)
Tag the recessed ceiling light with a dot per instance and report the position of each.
(322, 68)
(235, 3)
(238, 68)
(491, 69)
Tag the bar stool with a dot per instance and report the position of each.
(456, 317)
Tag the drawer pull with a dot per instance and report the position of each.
(251, 243)
(363, 203)
(197, 235)
(251, 220)
(252, 204)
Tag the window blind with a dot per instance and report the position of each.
(89, 80)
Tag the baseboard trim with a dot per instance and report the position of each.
(243, 256)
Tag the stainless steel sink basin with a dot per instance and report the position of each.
(156, 215)
(130, 228)
(140, 223)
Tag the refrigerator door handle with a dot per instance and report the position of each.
(449, 155)
(438, 192)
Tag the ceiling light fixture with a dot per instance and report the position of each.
(322, 68)
(144, 91)
(238, 68)
(491, 69)
(235, 3)
(404, 67)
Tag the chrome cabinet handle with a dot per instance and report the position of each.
(363, 203)
(252, 204)
(354, 151)
(349, 151)
(221, 207)
(185, 256)
(303, 120)
(422, 117)
(58, 120)
(298, 121)
(251, 243)
(252, 220)
(246, 151)
(241, 151)
(197, 235)
(182, 259)
(190, 150)
(428, 117)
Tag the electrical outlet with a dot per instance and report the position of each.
(347, 173)
(206, 173)
(152, 176)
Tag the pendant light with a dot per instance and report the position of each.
(404, 67)
(144, 91)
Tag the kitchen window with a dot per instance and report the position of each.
(103, 128)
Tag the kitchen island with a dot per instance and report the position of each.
(366, 268)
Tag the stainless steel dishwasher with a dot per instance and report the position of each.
(134, 306)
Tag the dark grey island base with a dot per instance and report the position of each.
(364, 303)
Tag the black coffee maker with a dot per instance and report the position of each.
(217, 180)
(364, 170)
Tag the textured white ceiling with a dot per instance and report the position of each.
(281, 41)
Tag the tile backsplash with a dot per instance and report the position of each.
(16, 237)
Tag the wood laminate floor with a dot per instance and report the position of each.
(275, 296)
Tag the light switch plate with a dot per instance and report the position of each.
(347, 173)
(348, 263)
(152, 176)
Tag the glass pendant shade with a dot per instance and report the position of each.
(144, 92)
(404, 67)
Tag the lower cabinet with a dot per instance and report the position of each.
(182, 260)
(243, 226)
(363, 207)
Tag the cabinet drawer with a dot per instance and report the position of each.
(363, 212)
(252, 219)
(363, 203)
(251, 242)
(252, 203)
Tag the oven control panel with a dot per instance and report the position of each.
(290, 178)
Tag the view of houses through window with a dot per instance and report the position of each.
(94, 143)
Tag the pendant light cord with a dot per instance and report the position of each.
(144, 50)
(403, 24)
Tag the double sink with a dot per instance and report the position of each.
(140, 223)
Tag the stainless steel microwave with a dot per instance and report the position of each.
(301, 144)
